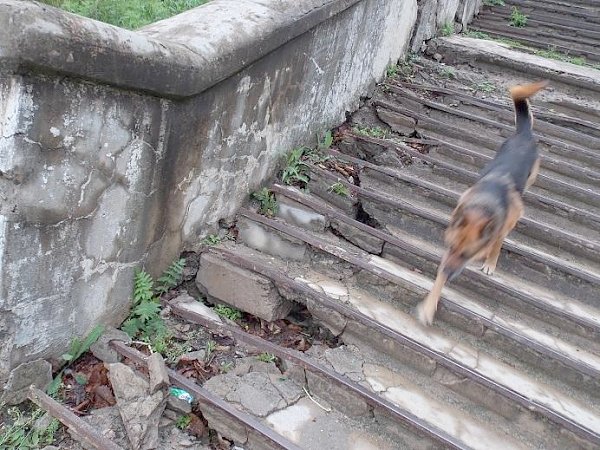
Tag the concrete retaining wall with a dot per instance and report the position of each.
(118, 149)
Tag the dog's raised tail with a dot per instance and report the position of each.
(520, 95)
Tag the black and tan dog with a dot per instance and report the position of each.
(490, 209)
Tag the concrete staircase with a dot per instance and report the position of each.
(512, 360)
(569, 27)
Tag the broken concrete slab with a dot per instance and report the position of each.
(16, 389)
(139, 409)
(102, 350)
(243, 289)
(159, 376)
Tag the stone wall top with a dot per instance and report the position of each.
(161, 58)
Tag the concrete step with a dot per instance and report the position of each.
(390, 315)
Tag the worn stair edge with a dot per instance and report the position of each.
(552, 18)
(570, 244)
(578, 314)
(563, 160)
(531, 400)
(405, 417)
(441, 220)
(469, 49)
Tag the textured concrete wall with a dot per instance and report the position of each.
(118, 149)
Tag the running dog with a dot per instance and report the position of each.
(490, 209)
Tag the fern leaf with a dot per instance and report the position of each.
(131, 327)
(143, 287)
(89, 340)
(172, 276)
(146, 310)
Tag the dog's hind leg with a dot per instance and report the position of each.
(515, 212)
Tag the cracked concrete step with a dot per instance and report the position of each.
(462, 311)
(500, 110)
(562, 311)
(519, 259)
(572, 15)
(383, 326)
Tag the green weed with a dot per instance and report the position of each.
(295, 171)
(169, 348)
(447, 29)
(517, 18)
(392, 71)
(76, 349)
(339, 189)
(448, 72)
(228, 312)
(476, 34)
(493, 2)
(183, 422)
(211, 239)
(171, 277)
(18, 431)
(210, 348)
(376, 132)
(130, 14)
(485, 86)
(553, 54)
(267, 202)
(226, 367)
(267, 357)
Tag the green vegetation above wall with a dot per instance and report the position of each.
(130, 14)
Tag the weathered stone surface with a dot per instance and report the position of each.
(363, 240)
(300, 215)
(159, 377)
(139, 410)
(345, 362)
(102, 350)
(240, 288)
(269, 241)
(467, 10)
(346, 401)
(426, 24)
(178, 405)
(16, 389)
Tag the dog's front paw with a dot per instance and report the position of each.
(425, 313)
(488, 269)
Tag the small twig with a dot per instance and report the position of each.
(316, 402)
(144, 344)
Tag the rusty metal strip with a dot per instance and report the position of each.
(84, 430)
(532, 300)
(205, 396)
(306, 363)
(283, 280)
(333, 250)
